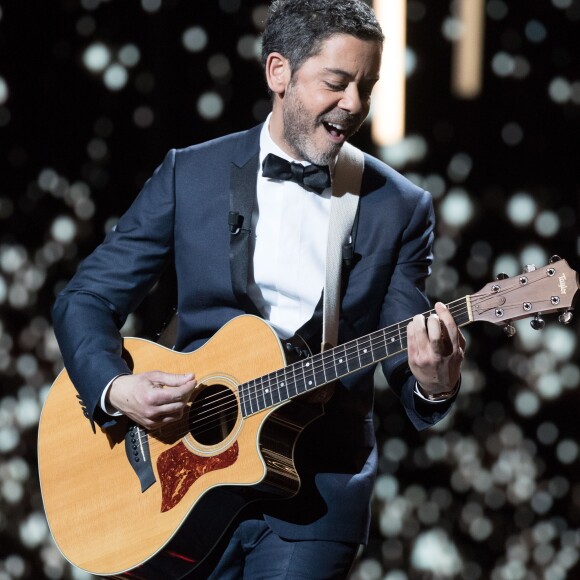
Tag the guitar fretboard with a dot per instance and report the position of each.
(320, 369)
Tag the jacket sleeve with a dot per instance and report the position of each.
(109, 285)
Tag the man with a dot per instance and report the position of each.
(321, 60)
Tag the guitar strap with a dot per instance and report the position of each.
(346, 185)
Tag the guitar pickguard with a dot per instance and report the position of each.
(179, 469)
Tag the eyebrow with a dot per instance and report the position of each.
(346, 74)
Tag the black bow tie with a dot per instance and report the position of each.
(313, 177)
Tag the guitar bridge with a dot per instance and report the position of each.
(137, 449)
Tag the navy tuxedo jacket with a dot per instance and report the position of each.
(181, 214)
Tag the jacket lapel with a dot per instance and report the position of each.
(242, 199)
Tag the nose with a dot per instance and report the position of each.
(351, 100)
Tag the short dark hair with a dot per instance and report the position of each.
(297, 28)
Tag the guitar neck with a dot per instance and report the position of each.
(320, 369)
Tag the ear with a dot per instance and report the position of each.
(278, 73)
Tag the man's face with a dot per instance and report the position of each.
(329, 97)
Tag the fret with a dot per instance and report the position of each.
(365, 351)
(254, 395)
(290, 383)
(260, 399)
(379, 345)
(309, 378)
(267, 388)
(277, 387)
(329, 364)
(249, 397)
(319, 369)
(300, 379)
(393, 340)
(242, 394)
(461, 311)
(340, 363)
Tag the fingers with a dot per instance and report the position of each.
(154, 398)
(438, 333)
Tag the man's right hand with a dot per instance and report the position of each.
(152, 399)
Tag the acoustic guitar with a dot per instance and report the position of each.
(131, 503)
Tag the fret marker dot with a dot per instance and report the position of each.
(365, 351)
(281, 384)
(267, 390)
(339, 360)
(307, 364)
(392, 340)
(309, 382)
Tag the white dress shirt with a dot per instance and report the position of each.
(288, 245)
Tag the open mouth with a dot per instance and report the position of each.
(336, 130)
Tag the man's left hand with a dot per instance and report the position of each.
(435, 348)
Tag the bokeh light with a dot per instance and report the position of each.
(92, 95)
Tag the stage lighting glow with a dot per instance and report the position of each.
(547, 223)
(194, 39)
(129, 55)
(436, 553)
(388, 109)
(459, 167)
(210, 106)
(535, 31)
(497, 9)
(219, 67)
(97, 57)
(512, 134)
(143, 117)
(567, 451)
(502, 64)
(249, 46)
(151, 5)
(63, 229)
(115, 77)
(467, 56)
(456, 208)
(560, 90)
(521, 209)
(3, 91)
(527, 403)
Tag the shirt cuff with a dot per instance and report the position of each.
(417, 391)
(111, 411)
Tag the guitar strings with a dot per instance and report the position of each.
(381, 335)
(214, 406)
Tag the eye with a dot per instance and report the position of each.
(334, 87)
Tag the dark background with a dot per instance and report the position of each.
(493, 492)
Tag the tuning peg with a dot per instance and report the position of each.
(529, 268)
(509, 329)
(537, 323)
(555, 258)
(565, 317)
(501, 276)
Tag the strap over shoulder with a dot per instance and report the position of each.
(346, 186)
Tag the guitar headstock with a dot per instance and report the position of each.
(537, 291)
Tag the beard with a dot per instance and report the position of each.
(300, 128)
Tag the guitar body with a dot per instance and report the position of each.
(129, 503)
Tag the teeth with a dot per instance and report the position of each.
(336, 126)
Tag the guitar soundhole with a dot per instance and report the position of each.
(213, 414)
